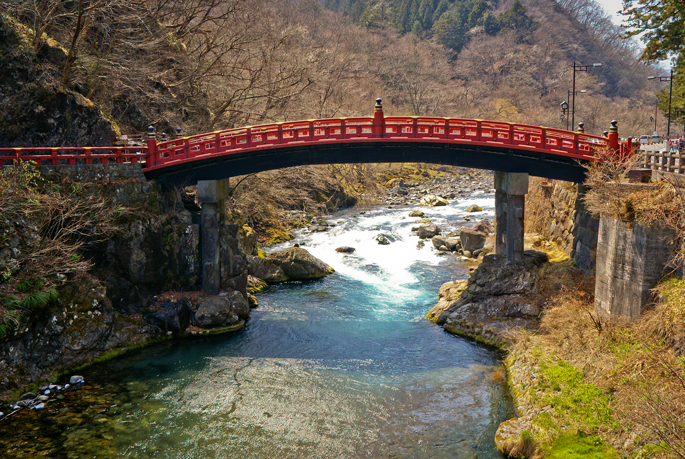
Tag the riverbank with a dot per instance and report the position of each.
(582, 387)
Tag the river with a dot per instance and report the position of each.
(343, 367)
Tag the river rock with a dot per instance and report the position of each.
(266, 269)
(239, 304)
(450, 244)
(474, 208)
(416, 213)
(428, 230)
(345, 249)
(255, 285)
(216, 311)
(473, 237)
(298, 264)
(170, 316)
(384, 239)
(432, 200)
(76, 379)
(448, 294)
(499, 296)
(252, 301)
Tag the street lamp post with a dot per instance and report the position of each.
(582, 91)
(670, 95)
(578, 68)
(564, 110)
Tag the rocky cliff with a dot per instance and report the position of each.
(117, 303)
(34, 109)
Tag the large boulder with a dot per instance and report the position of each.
(428, 230)
(238, 303)
(472, 240)
(298, 264)
(500, 296)
(473, 237)
(485, 226)
(431, 200)
(265, 269)
(170, 316)
(216, 311)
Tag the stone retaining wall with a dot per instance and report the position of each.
(93, 172)
(572, 226)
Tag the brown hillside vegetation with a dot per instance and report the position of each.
(208, 64)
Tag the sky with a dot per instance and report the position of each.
(612, 7)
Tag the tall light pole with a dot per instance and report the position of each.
(582, 91)
(578, 68)
(670, 95)
(564, 109)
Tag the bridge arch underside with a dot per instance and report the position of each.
(496, 158)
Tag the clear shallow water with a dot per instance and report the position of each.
(342, 367)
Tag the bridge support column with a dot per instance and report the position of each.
(212, 195)
(510, 197)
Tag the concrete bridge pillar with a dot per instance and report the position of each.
(212, 196)
(510, 197)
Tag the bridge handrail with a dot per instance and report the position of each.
(306, 132)
(70, 155)
(423, 128)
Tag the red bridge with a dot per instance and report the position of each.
(493, 145)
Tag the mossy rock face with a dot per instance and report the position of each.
(449, 293)
(277, 236)
(248, 241)
(80, 327)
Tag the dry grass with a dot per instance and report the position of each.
(659, 204)
(630, 390)
(539, 205)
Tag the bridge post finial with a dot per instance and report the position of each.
(581, 127)
(378, 119)
(178, 133)
(613, 136)
(151, 145)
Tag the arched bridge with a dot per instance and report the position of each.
(493, 145)
(512, 150)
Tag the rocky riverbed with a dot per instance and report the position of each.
(450, 187)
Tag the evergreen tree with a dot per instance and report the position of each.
(402, 16)
(441, 9)
(426, 10)
(490, 24)
(480, 7)
(450, 31)
(516, 18)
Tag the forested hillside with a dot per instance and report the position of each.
(211, 64)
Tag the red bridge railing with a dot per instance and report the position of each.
(337, 130)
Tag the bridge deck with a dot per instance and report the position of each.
(494, 145)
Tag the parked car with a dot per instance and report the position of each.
(657, 139)
(644, 139)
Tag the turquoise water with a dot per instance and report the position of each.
(342, 367)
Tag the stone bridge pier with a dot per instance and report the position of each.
(510, 198)
(211, 194)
